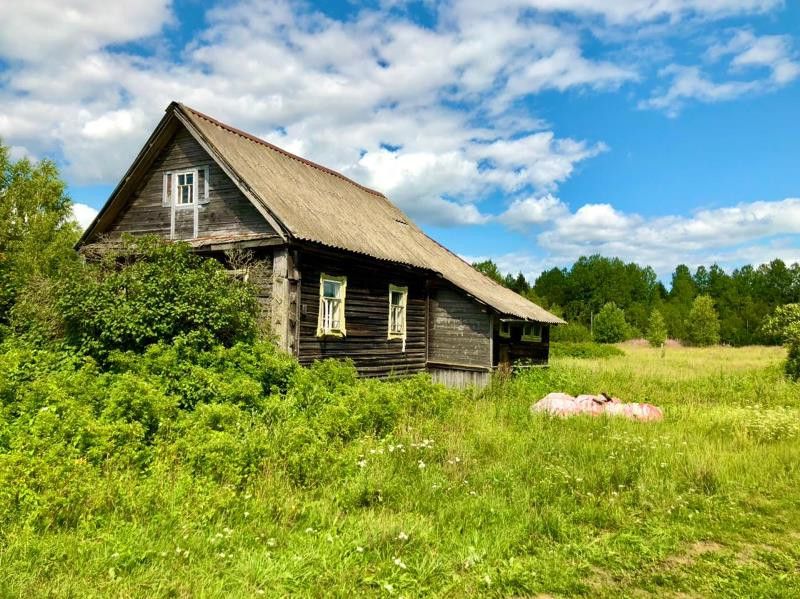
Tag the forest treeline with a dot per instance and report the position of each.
(743, 298)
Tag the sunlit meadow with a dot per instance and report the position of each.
(475, 498)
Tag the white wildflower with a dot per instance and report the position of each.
(421, 465)
(360, 549)
(399, 563)
(362, 463)
(403, 536)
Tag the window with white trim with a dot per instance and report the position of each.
(332, 292)
(505, 329)
(532, 331)
(185, 188)
(398, 299)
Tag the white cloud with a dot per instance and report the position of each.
(337, 92)
(83, 214)
(563, 69)
(634, 11)
(41, 29)
(689, 83)
(746, 51)
(430, 115)
(525, 213)
(719, 234)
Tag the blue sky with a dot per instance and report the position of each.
(528, 131)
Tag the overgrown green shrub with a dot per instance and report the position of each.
(148, 291)
(584, 350)
(784, 324)
(36, 239)
(610, 325)
(573, 332)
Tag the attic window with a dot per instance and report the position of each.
(184, 189)
(332, 291)
(532, 331)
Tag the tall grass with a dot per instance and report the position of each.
(478, 499)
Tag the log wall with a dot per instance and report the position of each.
(366, 315)
(460, 330)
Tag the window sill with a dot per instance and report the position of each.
(331, 335)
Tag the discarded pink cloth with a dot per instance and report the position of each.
(562, 404)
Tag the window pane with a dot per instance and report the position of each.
(330, 288)
(189, 179)
(181, 179)
(397, 298)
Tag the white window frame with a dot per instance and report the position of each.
(532, 331)
(176, 187)
(398, 310)
(331, 317)
(169, 197)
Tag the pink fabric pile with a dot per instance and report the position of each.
(564, 405)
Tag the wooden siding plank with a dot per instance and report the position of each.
(228, 211)
(459, 329)
(366, 314)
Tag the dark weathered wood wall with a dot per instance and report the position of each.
(459, 329)
(366, 314)
(228, 211)
(510, 350)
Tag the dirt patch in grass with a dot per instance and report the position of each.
(695, 550)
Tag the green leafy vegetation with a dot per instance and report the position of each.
(743, 298)
(146, 291)
(231, 471)
(610, 325)
(656, 329)
(573, 332)
(784, 324)
(702, 324)
(587, 349)
(36, 239)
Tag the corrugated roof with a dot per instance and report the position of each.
(319, 205)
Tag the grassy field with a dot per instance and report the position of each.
(487, 500)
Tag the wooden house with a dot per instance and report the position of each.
(345, 274)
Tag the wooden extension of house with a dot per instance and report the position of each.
(342, 272)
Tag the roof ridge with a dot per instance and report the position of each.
(280, 150)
